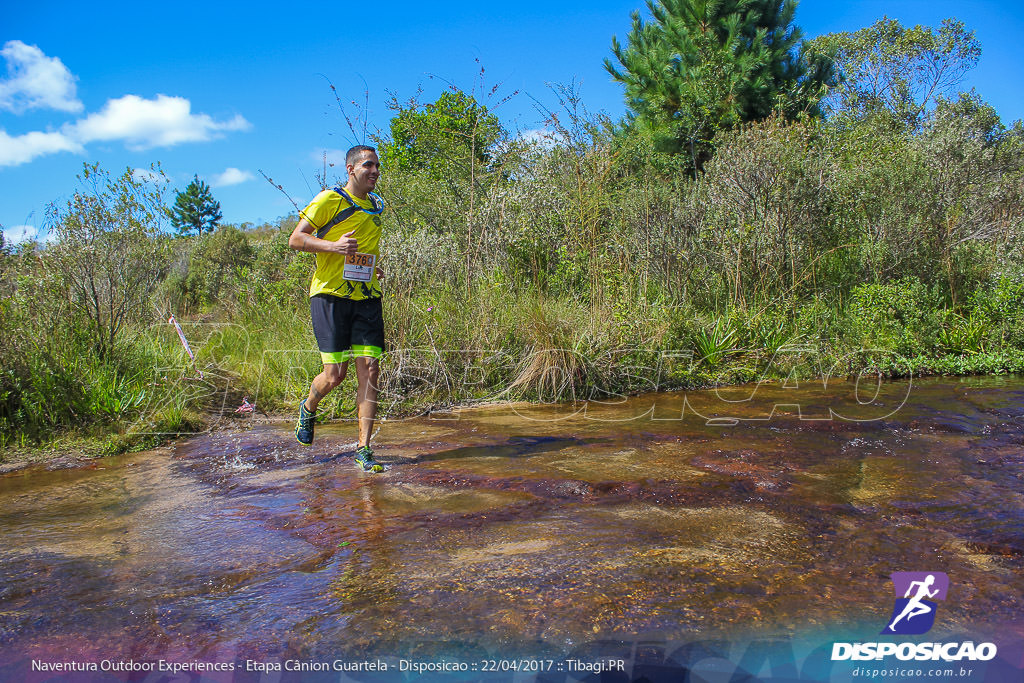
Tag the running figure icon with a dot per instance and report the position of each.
(915, 607)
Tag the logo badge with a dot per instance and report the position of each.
(916, 596)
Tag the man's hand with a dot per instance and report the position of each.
(380, 273)
(346, 244)
(303, 238)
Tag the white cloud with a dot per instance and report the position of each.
(140, 123)
(25, 148)
(146, 175)
(20, 233)
(335, 157)
(230, 176)
(143, 124)
(542, 137)
(36, 81)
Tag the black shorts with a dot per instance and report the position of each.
(345, 329)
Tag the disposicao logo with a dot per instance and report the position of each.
(916, 592)
(913, 613)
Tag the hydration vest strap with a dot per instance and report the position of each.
(375, 200)
(338, 217)
(378, 206)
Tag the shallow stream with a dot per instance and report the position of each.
(529, 529)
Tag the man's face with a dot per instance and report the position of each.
(365, 171)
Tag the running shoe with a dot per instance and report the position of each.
(304, 427)
(364, 458)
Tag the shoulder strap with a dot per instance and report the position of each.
(341, 215)
(375, 201)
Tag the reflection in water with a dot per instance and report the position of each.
(523, 527)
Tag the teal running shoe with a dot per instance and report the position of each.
(364, 458)
(304, 427)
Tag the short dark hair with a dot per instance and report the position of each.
(352, 155)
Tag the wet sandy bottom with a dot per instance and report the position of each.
(513, 530)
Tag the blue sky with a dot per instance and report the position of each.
(224, 90)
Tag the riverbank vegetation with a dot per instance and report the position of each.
(863, 214)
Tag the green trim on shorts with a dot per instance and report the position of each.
(335, 357)
(357, 351)
(361, 351)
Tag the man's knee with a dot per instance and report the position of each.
(368, 371)
(334, 373)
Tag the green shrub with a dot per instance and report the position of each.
(900, 317)
(1002, 307)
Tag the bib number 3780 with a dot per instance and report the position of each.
(359, 267)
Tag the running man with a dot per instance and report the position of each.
(914, 606)
(342, 227)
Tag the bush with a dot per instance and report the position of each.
(900, 317)
(768, 195)
(207, 270)
(110, 255)
(1002, 308)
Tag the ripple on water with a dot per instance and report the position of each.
(409, 498)
(568, 572)
(597, 464)
(726, 538)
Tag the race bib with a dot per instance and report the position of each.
(359, 267)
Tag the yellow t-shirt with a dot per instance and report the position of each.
(330, 274)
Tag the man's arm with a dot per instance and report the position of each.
(910, 588)
(304, 239)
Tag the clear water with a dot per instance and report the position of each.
(520, 528)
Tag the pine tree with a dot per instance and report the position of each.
(195, 209)
(702, 66)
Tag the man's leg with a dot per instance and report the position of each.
(324, 383)
(367, 374)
